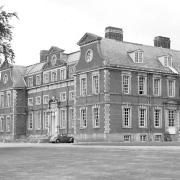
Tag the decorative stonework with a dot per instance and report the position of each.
(106, 118)
(75, 102)
(13, 117)
(106, 85)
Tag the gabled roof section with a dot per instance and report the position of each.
(88, 38)
(116, 54)
(73, 57)
(5, 65)
(55, 49)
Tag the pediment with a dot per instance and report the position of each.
(49, 65)
(55, 49)
(88, 38)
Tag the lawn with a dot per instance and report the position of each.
(89, 162)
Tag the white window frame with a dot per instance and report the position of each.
(44, 99)
(46, 77)
(159, 139)
(62, 73)
(63, 122)
(171, 93)
(30, 101)
(83, 90)
(8, 123)
(1, 124)
(96, 121)
(38, 102)
(54, 78)
(129, 116)
(63, 96)
(159, 86)
(145, 116)
(138, 57)
(127, 138)
(30, 81)
(124, 90)
(160, 117)
(38, 79)
(30, 121)
(71, 95)
(144, 85)
(82, 124)
(95, 89)
(143, 137)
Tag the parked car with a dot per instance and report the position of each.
(61, 138)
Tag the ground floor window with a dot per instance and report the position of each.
(1, 124)
(71, 118)
(37, 120)
(157, 118)
(126, 115)
(157, 138)
(171, 118)
(143, 138)
(30, 120)
(63, 118)
(127, 137)
(142, 117)
(7, 124)
(45, 120)
(83, 117)
(95, 115)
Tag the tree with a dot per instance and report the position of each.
(6, 51)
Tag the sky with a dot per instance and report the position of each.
(62, 23)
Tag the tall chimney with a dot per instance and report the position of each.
(163, 42)
(43, 55)
(114, 33)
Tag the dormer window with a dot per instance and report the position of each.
(166, 60)
(136, 56)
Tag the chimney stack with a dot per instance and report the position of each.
(43, 55)
(114, 33)
(163, 42)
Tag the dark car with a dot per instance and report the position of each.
(61, 138)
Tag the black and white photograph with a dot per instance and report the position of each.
(89, 90)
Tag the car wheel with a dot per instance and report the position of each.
(57, 140)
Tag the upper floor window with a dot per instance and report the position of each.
(45, 99)
(71, 95)
(142, 85)
(95, 83)
(53, 75)
(2, 100)
(8, 99)
(142, 117)
(38, 100)
(83, 85)
(126, 83)
(157, 86)
(83, 117)
(166, 60)
(126, 116)
(62, 73)
(62, 96)
(5, 79)
(30, 81)
(171, 88)
(96, 116)
(30, 101)
(46, 77)
(38, 79)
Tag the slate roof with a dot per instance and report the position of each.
(116, 53)
(34, 68)
(73, 57)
